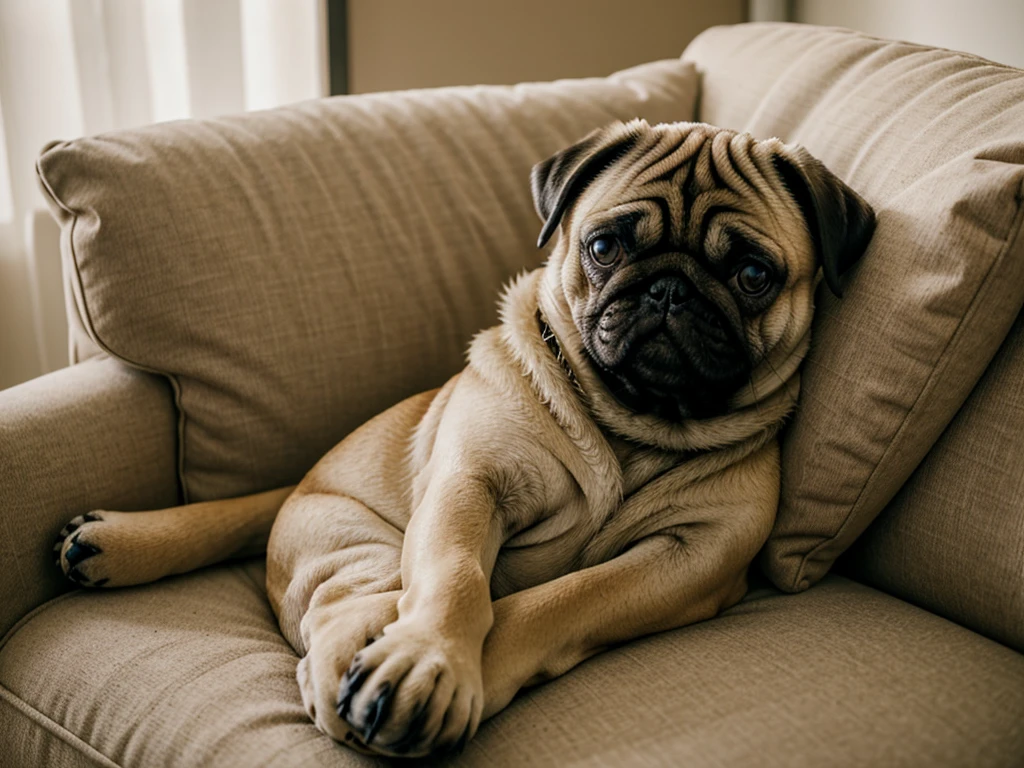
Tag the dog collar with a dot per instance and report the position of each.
(556, 349)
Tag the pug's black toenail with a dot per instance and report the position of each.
(79, 551)
(378, 713)
(351, 682)
(91, 517)
(58, 542)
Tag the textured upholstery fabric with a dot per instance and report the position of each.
(295, 272)
(193, 671)
(96, 435)
(935, 141)
(24, 731)
(953, 538)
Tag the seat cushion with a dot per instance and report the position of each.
(934, 140)
(192, 671)
(295, 272)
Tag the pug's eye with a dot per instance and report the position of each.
(754, 278)
(605, 251)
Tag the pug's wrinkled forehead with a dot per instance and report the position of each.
(705, 190)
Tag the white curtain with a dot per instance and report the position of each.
(70, 68)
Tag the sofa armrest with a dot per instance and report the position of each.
(95, 435)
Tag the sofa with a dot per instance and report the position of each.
(242, 292)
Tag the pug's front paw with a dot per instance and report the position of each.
(413, 692)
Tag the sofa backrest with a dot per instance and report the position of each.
(296, 271)
(952, 540)
(935, 141)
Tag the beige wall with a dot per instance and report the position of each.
(396, 44)
(990, 28)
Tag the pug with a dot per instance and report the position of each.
(605, 467)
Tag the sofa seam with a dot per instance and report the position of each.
(848, 31)
(10, 633)
(922, 48)
(91, 329)
(55, 729)
(1013, 234)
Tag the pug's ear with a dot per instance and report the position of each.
(841, 221)
(559, 180)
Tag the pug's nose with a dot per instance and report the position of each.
(669, 293)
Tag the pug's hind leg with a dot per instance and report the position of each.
(116, 549)
(418, 689)
(334, 578)
(342, 630)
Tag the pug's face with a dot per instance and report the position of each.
(689, 256)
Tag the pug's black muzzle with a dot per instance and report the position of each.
(661, 347)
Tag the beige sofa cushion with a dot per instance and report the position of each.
(953, 538)
(935, 141)
(193, 672)
(294, 272)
